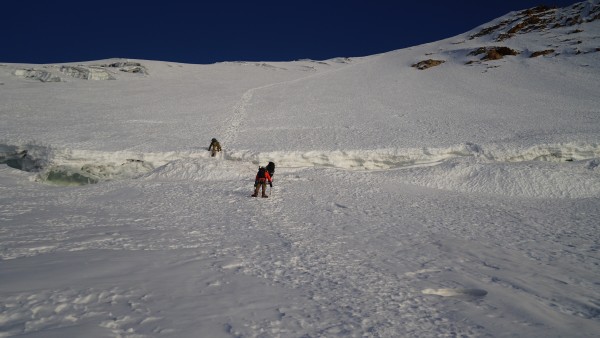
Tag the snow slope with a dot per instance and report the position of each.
(459, 200)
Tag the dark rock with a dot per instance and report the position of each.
(427, 64)
(541, 52)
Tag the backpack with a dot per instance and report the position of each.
(261, 173)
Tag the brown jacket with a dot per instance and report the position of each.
(215, 146)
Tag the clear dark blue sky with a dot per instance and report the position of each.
(196, 31)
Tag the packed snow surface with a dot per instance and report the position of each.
(457, 201)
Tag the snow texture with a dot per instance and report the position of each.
(460, 200)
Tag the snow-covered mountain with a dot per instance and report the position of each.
(448, 189)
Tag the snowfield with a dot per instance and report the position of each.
(457, 201)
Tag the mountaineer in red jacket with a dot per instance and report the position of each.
(262, 177)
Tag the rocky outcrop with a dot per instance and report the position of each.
(541, 53)
(541, 18)
(425, 64)
(494, 52)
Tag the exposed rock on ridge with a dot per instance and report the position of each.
(427, 64)
(541, 18)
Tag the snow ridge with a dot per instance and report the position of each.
(558, 171)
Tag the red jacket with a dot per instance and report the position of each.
(263, 179)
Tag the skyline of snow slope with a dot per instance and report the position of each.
(457, 200)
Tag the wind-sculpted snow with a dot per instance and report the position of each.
(331, 253)
(550, 171)
(202, 170)
(460, 201)
(520, 179)
(536, 174)
(37, 74)
(87, 73)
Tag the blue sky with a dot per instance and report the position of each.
(194, 31)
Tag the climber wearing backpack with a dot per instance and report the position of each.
(262, 177)
(214, 147)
